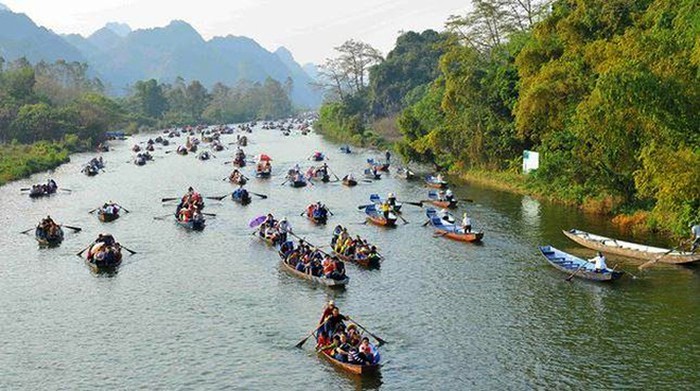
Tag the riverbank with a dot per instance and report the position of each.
(19, 161)
(636, 221)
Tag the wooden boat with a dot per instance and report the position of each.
(204, 156)
(241, 196)
(320, 175)
(243, 141)
(375, 198)
(631, 250)
(42, 191)
(192, 148)
(165, 142)
(376, 217)
(90, 170)
(371, 175)
(48, 240)
(314, 218)
(570, 264)
(150, 148)
(182, 151)
(109, 262)
(380, 166)
(105, 217)
(192, 225)
(349, 182)
(435, 183)
(329, 282)
(354, 369)
(452, 231)
(434, 199)
(368, 262)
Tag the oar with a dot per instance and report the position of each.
(653, 261)
(76, 229)
(466, 199)
(401, 217)
(94, 209)
(25, 189)
(27, 231)
(127, 249)
(263, 196)
(66, 189)
(162, 217)
(283, 183)
(576, 271)
(303, 341)
(419, 204)
(169, 199)
(217, 198)
(381, 341)
(83, 250)
(125, 210)
(210, 214)
(426, 223)
(364, 206)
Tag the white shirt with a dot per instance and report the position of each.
(599, 262)
(284, 227)
(466, 221)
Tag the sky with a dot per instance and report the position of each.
(310, 29)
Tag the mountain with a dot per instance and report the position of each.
(311, 70)
(121, 57)
(21, 37)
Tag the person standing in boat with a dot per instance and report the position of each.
(391, 200)
(599, 262)
(466, 223)
(387, 154)
(284, 228)
(695, 232)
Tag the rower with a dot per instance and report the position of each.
(449, 196)
(466, 223)
(284, 228)
(386, 209)
(695, 232)
(599, 261)
(387, 154)
(391, 200)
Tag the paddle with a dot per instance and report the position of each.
(169, 199)
(210, 214)
(127, 249)
(76, 229)
(125, 210)
(263, 196)
(367, 181)
(576, 271)
(653, 261)
(283, 183)
(419, 204)
(217, 198)
(426, 223)
(381, 341)
(303, 341)
(94, 209)
(83, 250)
(466, 199)
(27, 231)
(25, 189)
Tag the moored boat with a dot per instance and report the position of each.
(631, 250)
(576, 266)
(451, 230)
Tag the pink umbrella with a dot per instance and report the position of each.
(257, 221)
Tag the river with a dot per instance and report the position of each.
(212, 310)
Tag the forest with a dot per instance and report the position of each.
(606, 91)
(49, 110)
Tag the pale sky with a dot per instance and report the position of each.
(308, 28)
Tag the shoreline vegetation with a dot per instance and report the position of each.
(607, 94)
(50, 110)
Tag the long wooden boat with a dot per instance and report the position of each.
(42, 191)
(268, 241)
(192, 225)
(106, 217)
(434, 199)
(631, 250)
(49, 240)
(433, 182)
(351, 368)
(329, 282)
(570, 264)
(452, 231)
(377, 218)
(368, 262)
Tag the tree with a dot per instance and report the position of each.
(149, 98)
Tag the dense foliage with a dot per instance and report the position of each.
(607, 91)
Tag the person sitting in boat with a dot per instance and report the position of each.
(185, 214)
(298, 177)
(385, 208)
(342, 351)
(447, 216)
(338, 272)
(107, 239)
(336, 234)
(241, 193)
(269, 221)
(391, 200)
(466, 223)
(334, 321)
(442, 196)
(599, 263)
(695, 232)
(328, 267)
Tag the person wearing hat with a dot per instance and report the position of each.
(284, 228)
(466, 223)
(391, 200)
(449, 196)
(695, 232)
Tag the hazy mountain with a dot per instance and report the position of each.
(311, 70)
(122, 57)
(20, 37)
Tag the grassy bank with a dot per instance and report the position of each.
(20, 161)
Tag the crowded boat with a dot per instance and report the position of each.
(355, 249)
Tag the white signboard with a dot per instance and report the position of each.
(531, 161)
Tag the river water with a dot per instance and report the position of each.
(212, 310)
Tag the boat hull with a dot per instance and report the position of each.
(631, 250)
(192, 225)
(351, 368)
(350, 183)
(568, 263)
(467, 237)
(329, 282)
(106, 217)
(370, 263)
(443, 204)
